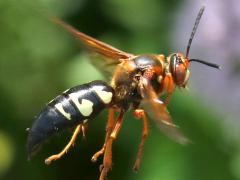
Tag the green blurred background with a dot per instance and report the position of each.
(39, 60)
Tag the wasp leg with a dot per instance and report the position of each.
(84, 128)
(140, 114)
(67, 147)
(109, 128)
(107, 159)
(168, 86)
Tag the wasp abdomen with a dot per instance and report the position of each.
(74, 106)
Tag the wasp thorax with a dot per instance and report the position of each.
(179, 69)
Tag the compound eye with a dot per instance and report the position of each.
(178, 69)
(174, 61)
(180, 74)
(178, 60)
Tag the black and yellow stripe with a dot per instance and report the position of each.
(72, 107)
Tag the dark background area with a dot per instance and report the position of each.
(39, 60)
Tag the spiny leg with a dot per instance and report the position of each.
(67, 147)
(109, 128)
(140, 114)
(107, 160)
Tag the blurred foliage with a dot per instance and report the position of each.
(38, 60)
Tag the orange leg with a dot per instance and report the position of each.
(67, 147)
(84, 128)
(168, 86)
(139, 113)
(109, 128)
(107, 159)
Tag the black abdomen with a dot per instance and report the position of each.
(72, 107)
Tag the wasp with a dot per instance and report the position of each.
(137, 80)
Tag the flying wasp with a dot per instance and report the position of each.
(137, 79)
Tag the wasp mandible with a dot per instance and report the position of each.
(136, 79)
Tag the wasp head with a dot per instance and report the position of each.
(179, 67)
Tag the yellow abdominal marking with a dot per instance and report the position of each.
(105, 96)
(59, 107)
(85, 108)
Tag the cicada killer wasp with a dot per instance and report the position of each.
(136, 79)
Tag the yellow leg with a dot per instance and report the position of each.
(107, 159)
(67, 147)
(139, 113)
(109, 128)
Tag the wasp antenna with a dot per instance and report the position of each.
(194, 29)
(206, 63)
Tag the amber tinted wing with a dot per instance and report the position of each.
(94, 44)
(106, 66)
(158, 111)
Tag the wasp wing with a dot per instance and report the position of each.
(95, 45)
(158, 111)
(105, 66)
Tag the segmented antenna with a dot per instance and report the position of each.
(194, 29)
(206, 63)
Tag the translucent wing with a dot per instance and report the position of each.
(94, 44)
(106, 66)
(158, 111)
